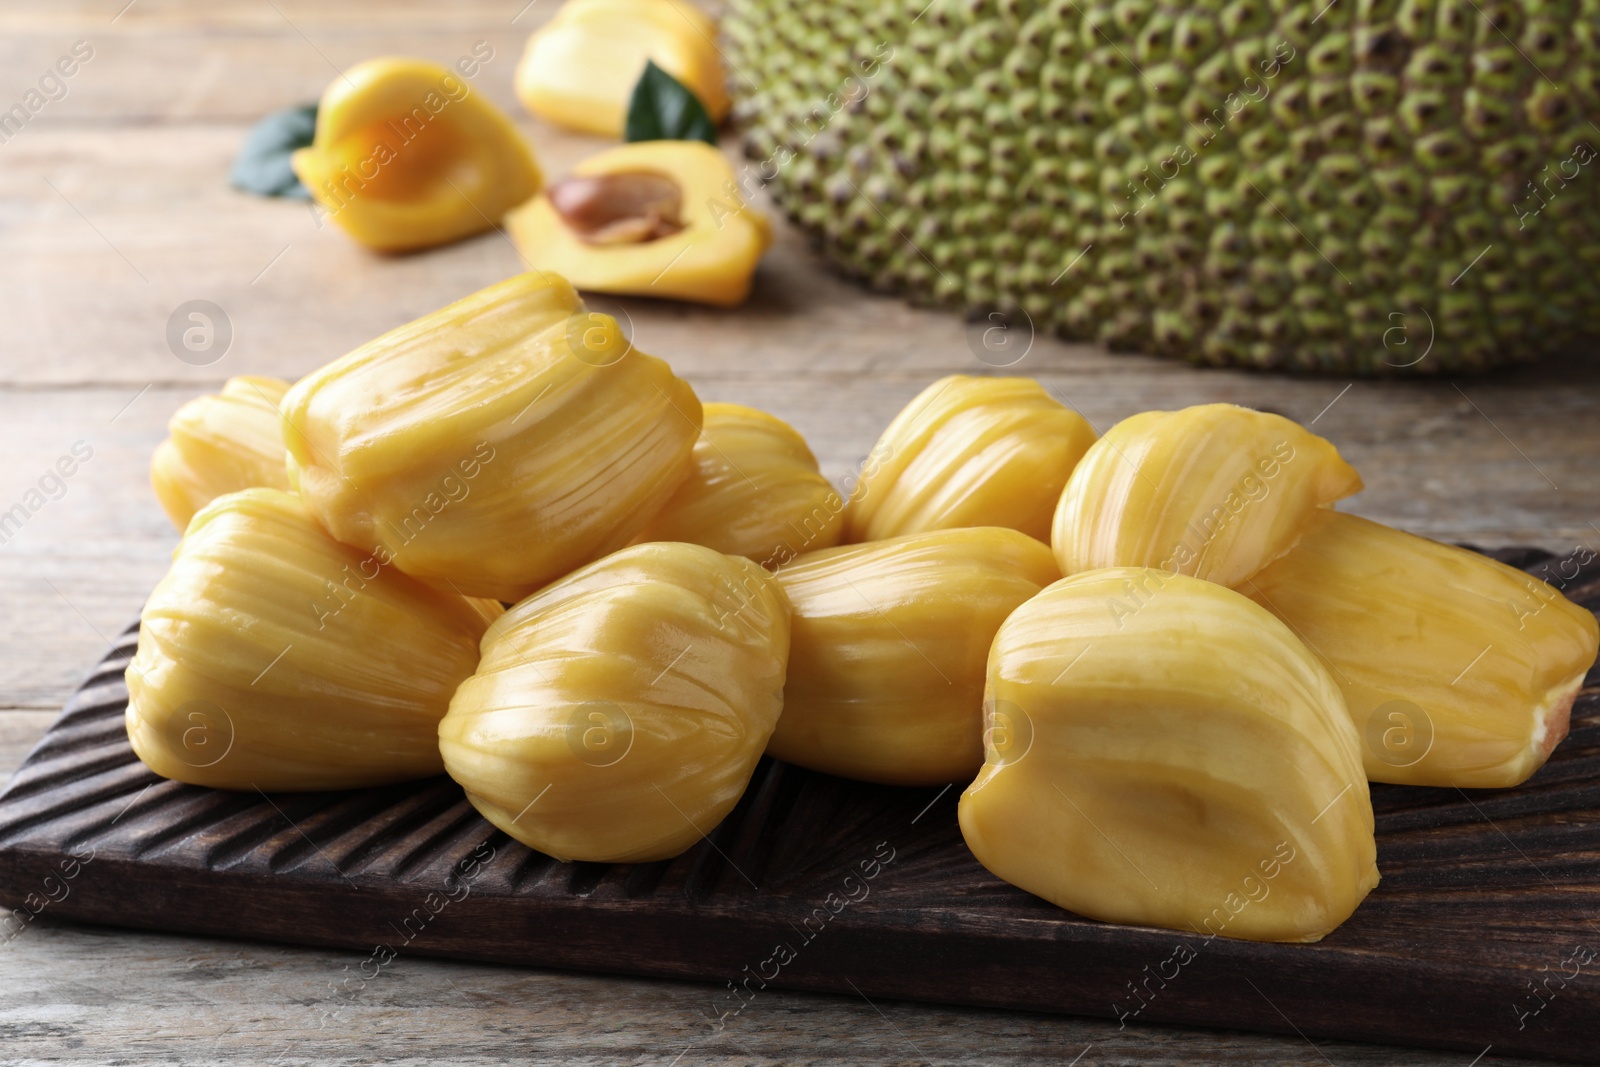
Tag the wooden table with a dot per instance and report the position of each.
(115, 209)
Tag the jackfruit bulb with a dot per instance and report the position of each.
(1386, 187)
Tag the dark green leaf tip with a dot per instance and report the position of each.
(664, 109)
(262, 166)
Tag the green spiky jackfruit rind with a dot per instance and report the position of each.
(1305, 186)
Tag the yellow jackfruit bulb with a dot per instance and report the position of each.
(889, 643)
(220, 443)
(658, 218)
(1457, 670)
(408, 155)
(1213, 491)
(493, 445)
(1161, 751)
(970, 452)
(580, 68)
(618, 714)
(272, 657)
(754, 491)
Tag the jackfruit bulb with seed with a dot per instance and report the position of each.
(1386, 187)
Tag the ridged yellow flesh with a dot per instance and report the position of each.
(754, 491)
(493, 445)
(970, 452)
(272, 657)
(617, 715)
(1214, 491)
(890, 639)
(1457, 670)
(220, 443)
(1161, 751)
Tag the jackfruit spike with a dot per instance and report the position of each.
(1214, 491)
(618, 714)
(969, 452)
(1161, 751)
(1457, 670)
(272, 657)
(219, 444)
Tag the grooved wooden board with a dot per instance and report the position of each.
(1484, 933)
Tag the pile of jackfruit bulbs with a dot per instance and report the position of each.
(1160, 665)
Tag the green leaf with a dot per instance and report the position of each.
(663, 109)
(262, 166)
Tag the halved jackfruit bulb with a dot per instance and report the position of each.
(272, 657)
(407, 155)
(493, 445)
(754, 491)
(970, 452)
(1161, 751)
(580, 68)
(889, 642)
(1214, 491)
(1457, 670)
(657, 218)
(618, 714)
(220, 443)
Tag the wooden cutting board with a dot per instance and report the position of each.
(1485, 932)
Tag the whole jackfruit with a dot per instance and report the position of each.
(1383, 187)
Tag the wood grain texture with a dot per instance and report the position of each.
(133, 162)
(851, 888)
(94, 996)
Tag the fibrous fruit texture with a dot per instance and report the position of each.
(1456, 669)
(970, 452)
(493, 445)
(1186, 764)
(220, 443)
(890, 639)
(754, 490)
(617, 714)
(1215, 491)
(273, 657)
(1382, 186)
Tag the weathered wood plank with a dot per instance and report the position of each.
(74, 994)
(20, 730)
(140, 146)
